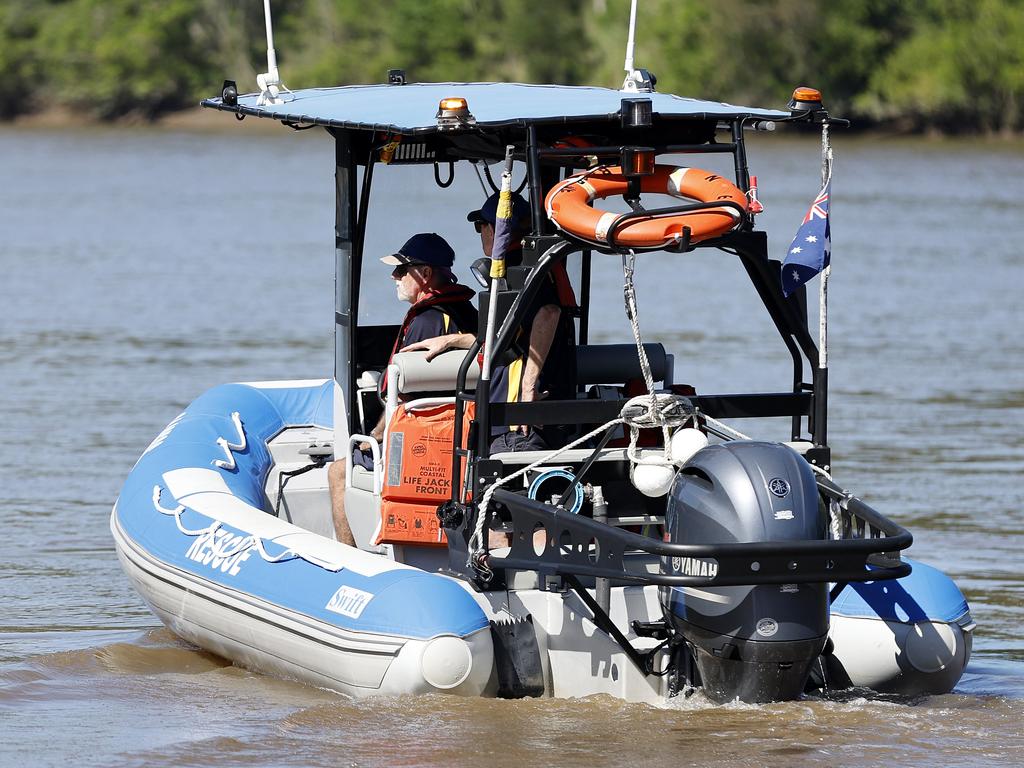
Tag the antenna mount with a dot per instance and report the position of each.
(637, 80)
(270, 81)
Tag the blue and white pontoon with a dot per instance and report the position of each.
(658, 550)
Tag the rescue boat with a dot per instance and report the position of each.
(656, 552)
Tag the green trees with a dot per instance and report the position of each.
(20, 21)
(952, 65)
(342, 41)
(961, 67)
(115, 58)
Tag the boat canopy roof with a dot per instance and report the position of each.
(412, 108)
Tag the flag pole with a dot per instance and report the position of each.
(821, 379)
(826, 173)
(477, 546)
(809, 255)
(502, 233)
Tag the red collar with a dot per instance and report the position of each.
(446, 294)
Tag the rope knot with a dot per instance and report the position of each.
(660, 410)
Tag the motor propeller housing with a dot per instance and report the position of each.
(752, 643)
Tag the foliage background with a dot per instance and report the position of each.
(938, 65)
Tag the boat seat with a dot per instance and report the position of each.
(618, 363)
(595, 364)
(415, 375)
(362, 478)
(410, 376)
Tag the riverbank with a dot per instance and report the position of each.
(192, 120)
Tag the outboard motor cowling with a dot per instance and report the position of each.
(752, 643)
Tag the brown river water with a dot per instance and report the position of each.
(139, 268)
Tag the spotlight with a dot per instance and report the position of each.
(453, 112)
(805, 100)
(637, 161)
(229, 93)
(636, 113)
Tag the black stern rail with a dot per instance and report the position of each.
(578, 546)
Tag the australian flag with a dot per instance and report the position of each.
(811, 249)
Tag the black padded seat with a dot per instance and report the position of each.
(617, 363)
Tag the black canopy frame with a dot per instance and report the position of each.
(535, 145)
(547, 161)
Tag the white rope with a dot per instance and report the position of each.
(823, 472)
(737, 435)
(176, 513)
(636, 414)
(734, 434)
(476, 541)
(633, 315)
(227, 447)
(219, 548)
(836, 518)
(656, 410)
(834, 506)
(286, 554)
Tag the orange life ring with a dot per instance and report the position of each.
(569, 206)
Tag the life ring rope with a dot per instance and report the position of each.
(719, 207)
(685, 234)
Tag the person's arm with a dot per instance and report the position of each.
(439, 344)
(377, 433)
(541, 335)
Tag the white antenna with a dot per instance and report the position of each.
(636, 79)
(270, 81)
(628, 65)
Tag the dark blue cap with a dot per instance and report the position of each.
(489, 211)
(425, 248)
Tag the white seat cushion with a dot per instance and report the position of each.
(362, 478)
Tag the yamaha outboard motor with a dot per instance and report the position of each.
(752, 643)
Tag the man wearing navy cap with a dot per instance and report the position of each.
(484, 220)
(521, 380)
(423, 277)
(545, 366)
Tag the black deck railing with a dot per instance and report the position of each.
(575, 545)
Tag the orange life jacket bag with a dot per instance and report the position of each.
(418, 474)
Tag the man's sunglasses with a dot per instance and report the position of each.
(403, 269)
(479, 225)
